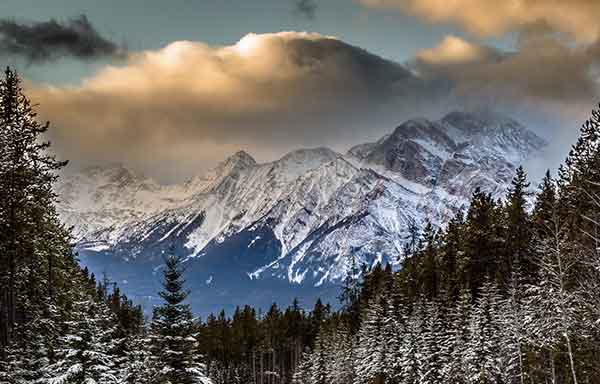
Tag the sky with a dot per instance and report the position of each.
(173, 87)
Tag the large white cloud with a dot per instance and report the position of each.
(182, 108)
(188, 104)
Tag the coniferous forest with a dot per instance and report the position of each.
(507, 292)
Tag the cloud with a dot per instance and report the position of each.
(176, 111)
(456, 51)
(577, 18)
(547, 82)
(544, 68)
(306, 8)
(180, 108)
(49, 40)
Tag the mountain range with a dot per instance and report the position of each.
(259, 233)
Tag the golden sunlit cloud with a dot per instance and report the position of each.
(454, 50)
(544, 68)
(577, 18)
(180, 109)
(188, 104)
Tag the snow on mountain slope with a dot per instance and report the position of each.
(312, 210)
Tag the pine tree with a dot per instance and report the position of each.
(371, 355)
(85, 356)
(32, 241)
(555, 301)
(484, 348)
(518, 233)
(318, 372)
(302, 375)
(173, 332)
(513, 322)
(456, 368)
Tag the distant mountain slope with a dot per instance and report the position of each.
(295, 223)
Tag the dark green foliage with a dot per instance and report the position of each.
(266, 348)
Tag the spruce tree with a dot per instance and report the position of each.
(350, 296)
(86, 353)
(481, 237)
(411, 364)
(486, 335)
(32, 241)
(514, 319)
(302, 375)
(320, 360)
(518, 246)
(449, 254)
(173, 333)
(434, 339)
(373, 346)
(459, 337)
(554, 302)
(134, 368)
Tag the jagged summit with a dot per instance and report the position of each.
(114, 172)
(241, 159)
(475, 121)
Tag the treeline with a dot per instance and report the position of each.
(261, 348)
(507, 293)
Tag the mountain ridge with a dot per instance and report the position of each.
(301, 219)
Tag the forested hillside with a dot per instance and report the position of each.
(508, 292)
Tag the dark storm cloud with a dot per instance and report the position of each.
(306, 8)
(48, 40)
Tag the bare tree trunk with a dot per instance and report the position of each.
(565, 321)
(254, 365)
(12, 302)
(3, 320)
(552, 367)
(521, 364)
(50, 275)
(274, 369)
(571, 361)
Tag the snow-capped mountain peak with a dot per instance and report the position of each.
(303, 217)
